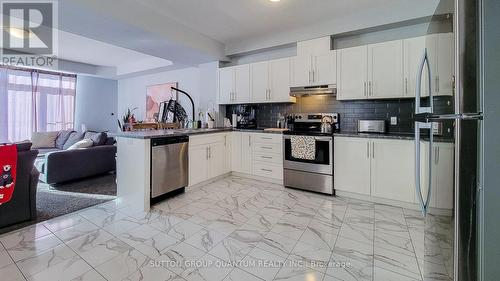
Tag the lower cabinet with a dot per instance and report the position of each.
(208, 157)
(352, 165)
(258, 154)
(393, 169)
(443, 157)
(385, 168)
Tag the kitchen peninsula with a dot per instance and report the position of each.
(134, 162)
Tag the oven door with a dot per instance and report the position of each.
(323, 162)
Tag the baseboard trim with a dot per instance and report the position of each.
(390, 202)
(254, 177)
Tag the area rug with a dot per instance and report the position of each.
(57, 200)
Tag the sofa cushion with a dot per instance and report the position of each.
(85, 143)
(97, 137)
(73, 138)
(44, 139)
(62, 138)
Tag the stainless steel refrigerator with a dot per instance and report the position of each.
(450, 239)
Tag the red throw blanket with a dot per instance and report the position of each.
(8, 163)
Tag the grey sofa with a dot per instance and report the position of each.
(57, 165)
(22, 206)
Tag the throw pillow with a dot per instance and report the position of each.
(44, 139)
(96, 137)
(62, 138)
(85, 143)
(73, 138)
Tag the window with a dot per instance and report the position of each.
(35, 101)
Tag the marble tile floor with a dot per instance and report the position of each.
(232, 229)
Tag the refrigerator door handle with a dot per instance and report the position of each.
(426, 112)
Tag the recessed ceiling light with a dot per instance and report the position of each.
(274, 0)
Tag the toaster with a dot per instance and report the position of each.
(371, 126)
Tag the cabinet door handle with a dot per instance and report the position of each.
(309, 76)
(406, 85)
(314, 79)
(364, 88)
(269, 98)
(266, 147)
(267, 170)
(437, 84)
(249, 142)
(438, 155)
(368, 150)
(266, 157)
(370, 89)
(373, 150)
(266, 138)
(439, 88)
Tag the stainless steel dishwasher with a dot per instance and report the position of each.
(169, 166)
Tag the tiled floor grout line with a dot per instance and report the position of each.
(337, 237)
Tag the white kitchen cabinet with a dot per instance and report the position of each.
(385, 70)
(440, 51)
(207, 157)
(242, 83)
(352, 72)
(393, 169)
(234, 84)
(226, 85)
(228, 140)
(198, 164)
(259, 81)
(270, 81)
(301, 71)
(324, 68)
(413, 52)
(217, 159)
(382, 168)
(352, 164)
(445, 63)
(279, 81)
(311, 70)
(442, 174)
(246, 153)
(314, 46)
(236, 142)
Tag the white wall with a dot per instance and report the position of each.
(96, 103)
(199, 82)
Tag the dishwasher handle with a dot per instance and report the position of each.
(169, 140)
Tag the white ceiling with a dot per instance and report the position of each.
(231, 20)
(84, 50)
(135, 35)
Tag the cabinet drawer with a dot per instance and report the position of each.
(207, 139)
(267, 148)
(268, 157)
(267, 170)
(266, 138)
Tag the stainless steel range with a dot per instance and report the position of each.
(313, 173)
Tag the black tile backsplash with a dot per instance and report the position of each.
(351, 111)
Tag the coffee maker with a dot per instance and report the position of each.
(247, 119)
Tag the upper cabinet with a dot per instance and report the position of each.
(352, 73)
(385, 69)
(314, 69)
(368, 72)
(270, 81)
(440, 47)
(234, 84)
(389, 69)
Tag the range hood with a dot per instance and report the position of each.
(313, 90)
